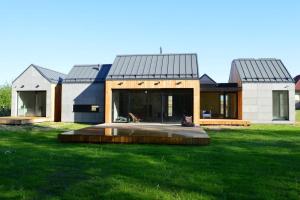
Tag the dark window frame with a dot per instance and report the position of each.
(286, 92)
(88, 108)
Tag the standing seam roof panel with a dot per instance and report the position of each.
(165, 66)
(262, 70)
(280, 70)
(273, 70)
(286, 73)
(155, 66)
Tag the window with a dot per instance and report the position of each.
(170, 106)
(86, 108)
(280, 105)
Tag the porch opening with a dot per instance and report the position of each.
(219, 101)
(153, 105)
(32, 103)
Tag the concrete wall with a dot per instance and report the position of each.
(32, 80)
(258, 101)
(84, 94)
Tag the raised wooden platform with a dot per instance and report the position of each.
(223, 122)
(134, 135)
(22, 120)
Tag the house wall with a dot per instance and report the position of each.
(84, 94)
(257, 102)
(30, 79)
(297, 100)
(151, 84)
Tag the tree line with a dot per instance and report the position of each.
(5, 99)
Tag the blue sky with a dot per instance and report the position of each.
(59, 34)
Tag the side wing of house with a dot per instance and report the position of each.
(31, 95)
(83, 94)
(268, 90)
(36, 93)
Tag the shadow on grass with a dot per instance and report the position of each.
(239, 164)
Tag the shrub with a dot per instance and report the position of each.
(5, 99)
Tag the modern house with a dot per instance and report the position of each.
(83, 94)
(297, 92)
(268, 90)
(155, 88)
(37, 92)
(158, 88)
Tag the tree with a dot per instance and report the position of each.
(5, 99)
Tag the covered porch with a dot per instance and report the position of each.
(221, 104)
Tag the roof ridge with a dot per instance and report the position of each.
(255, 59)
(87, 65)
(158, 54)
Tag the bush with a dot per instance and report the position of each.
(5, 100)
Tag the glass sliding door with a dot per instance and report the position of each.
(280, 105)
(166, 105)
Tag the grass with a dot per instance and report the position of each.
(298, 115)
(260, 162)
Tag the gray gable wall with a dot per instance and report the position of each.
(156, 66)
(50, 75)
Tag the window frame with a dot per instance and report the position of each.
(86, 108)
(286, 92)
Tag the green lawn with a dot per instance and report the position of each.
(260, 162)
(298, 115)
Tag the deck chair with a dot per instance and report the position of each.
(187, 121)
(134, 118)
(206, 114)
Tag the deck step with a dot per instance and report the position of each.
(224, 122)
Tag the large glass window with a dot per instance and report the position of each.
(280, 105)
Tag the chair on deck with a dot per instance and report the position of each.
(206, 114)
(134, 118)
(187, 121)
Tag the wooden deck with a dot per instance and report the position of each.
(223, 122)
(135, 135)
(22, 120)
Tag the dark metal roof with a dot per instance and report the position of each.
(51, 75)
(297, 78)
(220, 87)
(205, 79)
(262, 70)
(88, 73)
(156, 66)
(297, 86)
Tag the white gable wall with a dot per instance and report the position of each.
(258, 101)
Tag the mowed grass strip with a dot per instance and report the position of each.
(256, 162)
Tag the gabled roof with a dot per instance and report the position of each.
(205, 79)
(262, 70)
(87, 73)
(297, 78)
(297, 87)
(155, 66)
(51, 75)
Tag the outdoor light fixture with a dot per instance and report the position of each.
(37, 86)
(157, 83)
(22, 86)
(178, 83)
(141, 83)
(121, 83)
